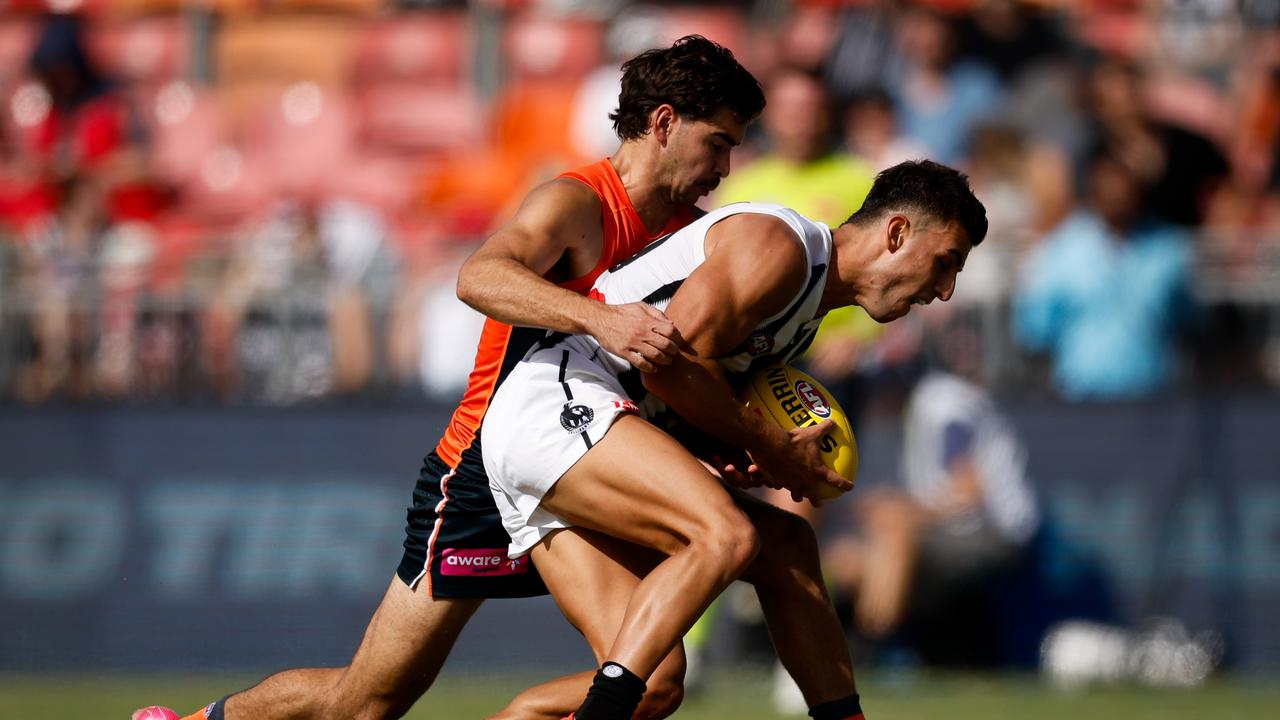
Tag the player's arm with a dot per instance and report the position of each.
(754, 268)
(506, 277)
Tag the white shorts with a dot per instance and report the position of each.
(553, 407)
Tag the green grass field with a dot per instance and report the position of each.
(730, 696)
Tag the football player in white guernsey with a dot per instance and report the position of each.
(566, 443)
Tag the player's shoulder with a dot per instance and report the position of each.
(563, 205)
(761, 251)
(750, 228)
(565, 192)
(763, 213)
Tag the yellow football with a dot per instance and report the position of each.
(792, 399)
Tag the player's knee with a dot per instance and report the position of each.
(738, 541)
(661, 698)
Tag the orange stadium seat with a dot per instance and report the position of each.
(256, 58)
(421, 47)
(282, 49)
(353, 7)
(138, 7)
(528, 142)
(531, 122)
(468, 193)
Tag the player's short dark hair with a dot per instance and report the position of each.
(929, 188)
(695, 76)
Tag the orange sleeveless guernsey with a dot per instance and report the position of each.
(501, 347)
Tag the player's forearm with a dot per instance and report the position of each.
(704, 400)
(510, 292)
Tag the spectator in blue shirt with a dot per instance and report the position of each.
(1106, 293)
(939, 97)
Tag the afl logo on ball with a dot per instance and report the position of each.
(576, 418)
(813, 399)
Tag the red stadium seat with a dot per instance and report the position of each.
(538, 46)
(144, 49)
(723, 24)
(387, 181)
(186, 127)
(18, 35)
(422, 47)
(305, 134)
(1116, 27)
(414, 118)
(232, 186)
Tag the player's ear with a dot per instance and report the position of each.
(896, 230)
(662, 122)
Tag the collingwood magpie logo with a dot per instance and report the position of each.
(576, 418)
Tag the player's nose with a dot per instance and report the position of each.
(946, 287)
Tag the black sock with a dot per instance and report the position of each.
(846, 708)
(614, 695)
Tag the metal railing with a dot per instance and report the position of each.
(76, 334)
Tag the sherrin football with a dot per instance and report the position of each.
(793, 399)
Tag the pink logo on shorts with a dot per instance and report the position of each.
(481, 562)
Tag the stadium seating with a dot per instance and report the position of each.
(17, 37)
(430, 48)
(150, 49)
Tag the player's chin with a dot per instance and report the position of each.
(701, 190)
(892, 313)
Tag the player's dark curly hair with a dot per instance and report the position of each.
(695, 76)
(929, 188)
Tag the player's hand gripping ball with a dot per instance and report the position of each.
(792, 399)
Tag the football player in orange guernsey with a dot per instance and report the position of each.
(681, 112)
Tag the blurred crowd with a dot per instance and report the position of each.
(265, 201)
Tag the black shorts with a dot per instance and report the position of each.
(454, 540)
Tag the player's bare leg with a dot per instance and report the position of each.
(403, 649)
(803, 625)
(782, 499)
(641, 486)
(592, 577)
(545, 701)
